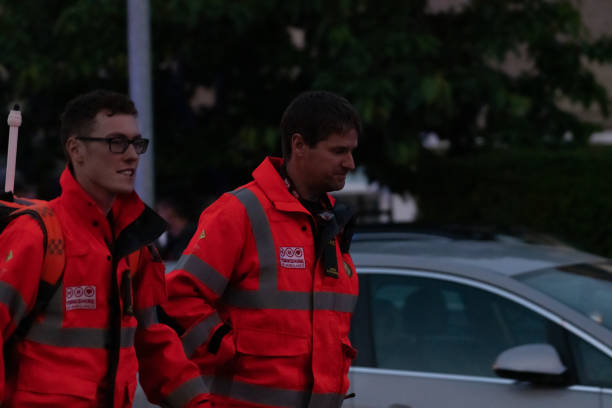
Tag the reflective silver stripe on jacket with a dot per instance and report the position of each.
(50, 330)
(203, 272)
(268, 296)
(340, 302)
(326, 400)
(186, 392)
(271, 396)
(199, 334)
(146, 317)
(11, 297)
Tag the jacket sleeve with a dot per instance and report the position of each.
(166, 374)
(21, 258)
(210, 262)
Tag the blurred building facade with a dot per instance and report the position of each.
(596, 16)
(377, 204)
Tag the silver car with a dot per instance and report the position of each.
(442, 322)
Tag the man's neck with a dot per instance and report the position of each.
(302, 189)
(103, 199)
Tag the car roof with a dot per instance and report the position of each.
(439, 253)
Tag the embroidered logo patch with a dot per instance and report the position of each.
(292, 257)
(80, 297)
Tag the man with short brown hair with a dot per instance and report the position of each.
(100, 325)
(264, 292)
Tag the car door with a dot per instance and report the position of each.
(429, 340)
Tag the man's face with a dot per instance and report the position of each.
(101, 173)
(326, 164)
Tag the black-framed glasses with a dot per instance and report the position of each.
(120, 144)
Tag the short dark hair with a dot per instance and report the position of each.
(79, 115)
(316, 115)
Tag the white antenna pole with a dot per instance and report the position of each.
(14, 121)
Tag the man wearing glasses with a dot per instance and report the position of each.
(100, 327)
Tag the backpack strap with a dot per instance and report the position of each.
(54, 260)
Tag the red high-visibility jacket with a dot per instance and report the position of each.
(266, 325)
(63, 361)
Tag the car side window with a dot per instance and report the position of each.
(592, 366)
(439, 326)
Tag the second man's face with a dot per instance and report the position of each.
(329, 161)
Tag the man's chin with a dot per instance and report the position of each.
(124, 190)
(336, 186)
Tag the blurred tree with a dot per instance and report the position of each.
(49, 52)
(224, 72)
(488, 72)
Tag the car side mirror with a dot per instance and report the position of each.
(535, 363)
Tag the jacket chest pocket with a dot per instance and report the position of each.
(85, 288)
(86, 264)
(295, 266)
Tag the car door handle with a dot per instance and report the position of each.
(400, 406)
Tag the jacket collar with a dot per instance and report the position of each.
(134, 224)
(268, 177)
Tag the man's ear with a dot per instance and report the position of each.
(75, 150)
(298, 145)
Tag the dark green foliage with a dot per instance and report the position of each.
(407, 69)
(51, 51)
(565, 193)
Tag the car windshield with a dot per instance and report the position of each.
(586, 288)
